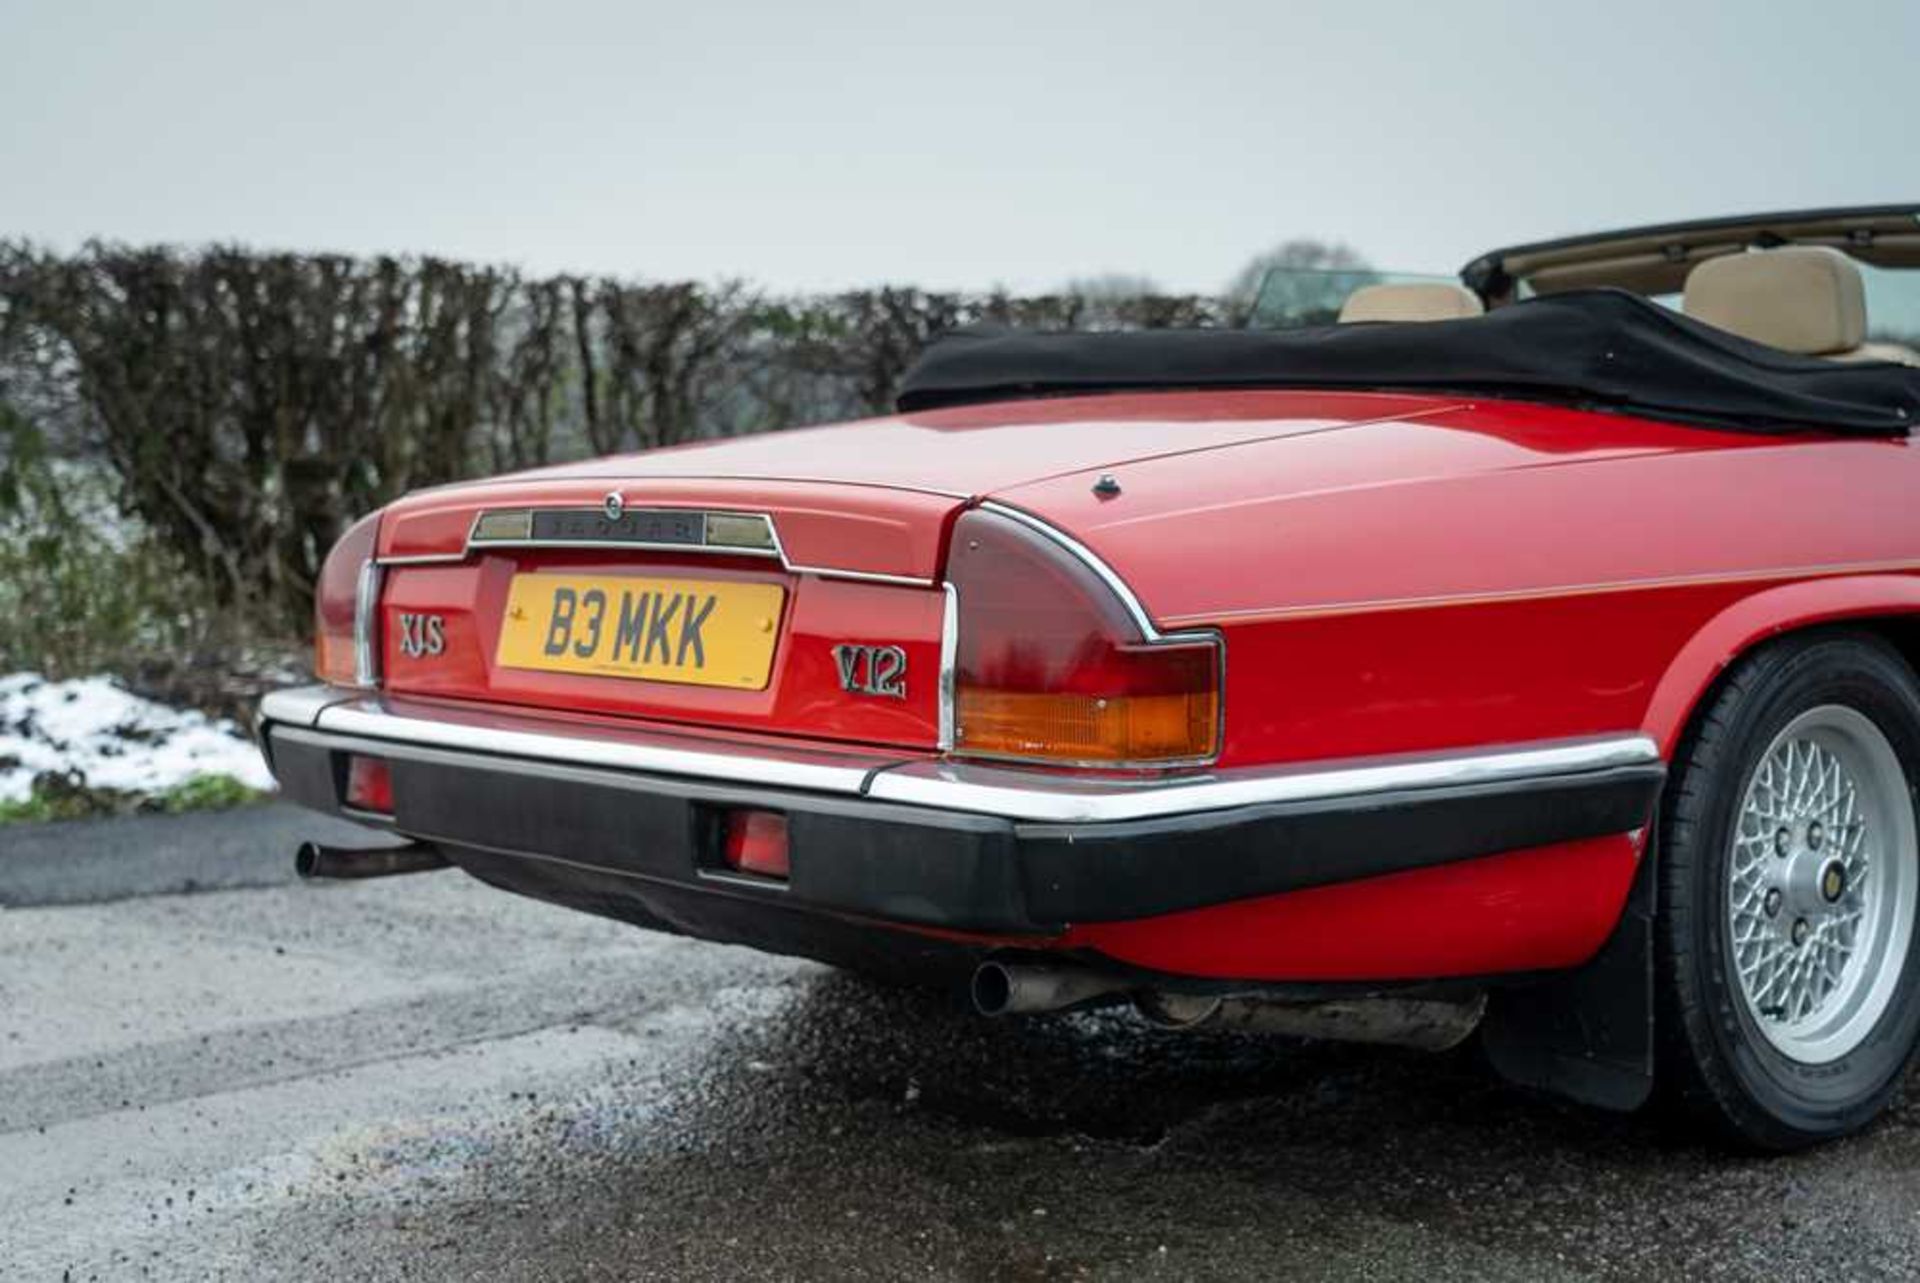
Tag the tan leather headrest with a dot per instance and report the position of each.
(1415, 301)
(1898, 353)
(1802, 298)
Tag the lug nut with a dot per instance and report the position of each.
(1783, 842)
(1800, 932)
(1772, 902)
(1815, 835)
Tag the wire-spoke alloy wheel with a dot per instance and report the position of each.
(1821, 884)
(1789, 875)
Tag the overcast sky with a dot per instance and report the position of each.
(819, 143)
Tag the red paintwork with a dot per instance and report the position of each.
(1521, 911)
(977, 450)
(1391, 574)
(1765, 613)
(843, 527)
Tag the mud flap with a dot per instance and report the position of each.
(1586, 1034)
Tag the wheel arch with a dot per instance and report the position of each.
(1588, 1033)
(1886, 604)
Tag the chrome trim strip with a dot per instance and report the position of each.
(622, 545)
(301, 705)
(860, 576)
(366, 603)
(476, 540)
(949, 665)
(1031, 795)
(587, 746)
(1092, 561)
(1013, 793)
(779, 549)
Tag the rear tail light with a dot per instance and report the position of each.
(1054, 664)
(345, 638)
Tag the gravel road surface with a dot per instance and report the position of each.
(207, 1071)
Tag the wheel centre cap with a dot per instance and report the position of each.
(1833, 881)
(1815, 883)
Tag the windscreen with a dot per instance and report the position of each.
(1893, 304)
(1295, 298)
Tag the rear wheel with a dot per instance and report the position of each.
(1790, 871)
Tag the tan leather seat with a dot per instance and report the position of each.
(1799, 298)
(1413, 301)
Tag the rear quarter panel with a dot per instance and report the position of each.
(1496, 572)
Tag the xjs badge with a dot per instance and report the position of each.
(872, 670)
(422, 636)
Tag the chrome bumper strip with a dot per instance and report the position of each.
(980, 788)
(532, 738)
(299, 705)
(1025, 795)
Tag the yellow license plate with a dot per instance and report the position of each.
(693, 631)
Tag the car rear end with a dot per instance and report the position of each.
(747, 712)
(915, 732)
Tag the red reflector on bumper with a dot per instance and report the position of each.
(756, 843)
(369, 785)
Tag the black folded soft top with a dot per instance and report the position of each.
(1604, 349)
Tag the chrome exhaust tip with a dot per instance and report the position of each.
(1012, 989)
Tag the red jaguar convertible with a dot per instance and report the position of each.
(1530, 655)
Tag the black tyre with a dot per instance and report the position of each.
(1788, 972)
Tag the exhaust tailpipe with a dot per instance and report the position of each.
(1011, 989)
(316, 860)
(1428, 1024)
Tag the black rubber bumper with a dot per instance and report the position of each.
(937, 868)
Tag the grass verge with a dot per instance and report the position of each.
(65, 796)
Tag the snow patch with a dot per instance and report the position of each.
(113, 737)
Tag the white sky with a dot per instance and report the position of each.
(823, 143)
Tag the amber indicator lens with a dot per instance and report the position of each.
(1138, 728)
(1052, 666)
